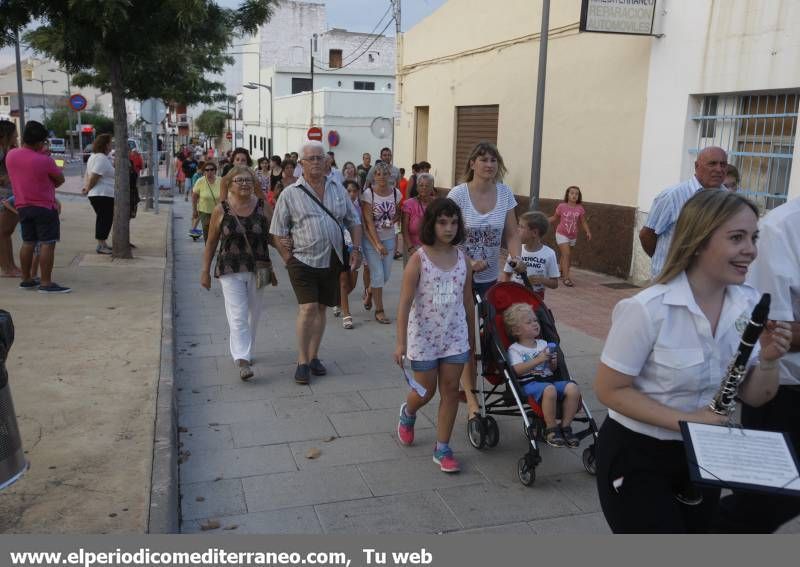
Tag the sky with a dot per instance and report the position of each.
(352, 15)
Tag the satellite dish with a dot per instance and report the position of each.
(381, 127)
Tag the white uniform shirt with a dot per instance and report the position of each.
(777, 271)
(661, 337)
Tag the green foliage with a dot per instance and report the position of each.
(58, 122)
(211, 123)
(169, 49)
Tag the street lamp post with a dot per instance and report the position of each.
(69, 110)
(44, 101)
(253, 85)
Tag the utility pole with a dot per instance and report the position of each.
(311, 49)
(20, 94)
(398, 66)
(536, 158)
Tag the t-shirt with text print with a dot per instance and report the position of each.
(484, 232)
(569, 216)
(541, 263)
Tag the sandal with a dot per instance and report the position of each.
(382, 319)
(347, 322)
(367, 304)
(569, 437)
(553, 437)
(568, 282)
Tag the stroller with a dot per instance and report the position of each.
(504, 395)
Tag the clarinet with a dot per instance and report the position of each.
(724, 402)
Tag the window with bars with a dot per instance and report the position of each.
(758, 132)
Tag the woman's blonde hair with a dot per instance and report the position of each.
(227, 179)
(700, 217)
(484, 149)
(513, 316)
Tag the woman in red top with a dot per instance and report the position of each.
(568, 214)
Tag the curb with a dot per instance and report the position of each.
(163, 510)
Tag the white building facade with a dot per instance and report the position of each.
(353, 85)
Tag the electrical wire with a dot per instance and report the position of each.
(389, 9)
(377, 37)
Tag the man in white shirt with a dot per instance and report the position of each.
(656, 235)
(776, 271)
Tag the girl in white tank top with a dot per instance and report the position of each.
(435, 322)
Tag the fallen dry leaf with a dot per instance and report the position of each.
(209, 525)
(233, 527)
(313, 453)
(199, 499)
(329, 439)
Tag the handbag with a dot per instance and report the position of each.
(345, 251)
(264, 272)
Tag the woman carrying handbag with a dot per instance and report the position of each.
(240, 225)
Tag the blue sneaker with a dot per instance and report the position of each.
(405, 427)
(446, 461)
(54, 288)
(29, 284)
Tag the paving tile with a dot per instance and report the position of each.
(289, 490)
(224, 413)
(412, 474)
(384, 398)
(189, 396)
(221, 498)
(371, 421)
(518, 528)
(414, 513)
(204, 438)
(289, 521)
(351, 382)
(346, 451)
(581, 489)
(236, 463)
(282, 430)
(487, 504)
(260, 388)
(290, 406)
(585, 524)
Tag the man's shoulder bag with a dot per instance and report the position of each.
(345, 251)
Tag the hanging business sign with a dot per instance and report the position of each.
(630, 17)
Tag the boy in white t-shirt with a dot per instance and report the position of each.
(538, 260)
(534, 361)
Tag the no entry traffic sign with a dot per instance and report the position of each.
(315, 133)
(77, 102)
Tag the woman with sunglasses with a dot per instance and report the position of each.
(205, 197)
(240, 225)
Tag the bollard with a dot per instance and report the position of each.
(12, 458)
(145, 183)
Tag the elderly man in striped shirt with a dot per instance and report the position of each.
(312, 212)
(656, 235)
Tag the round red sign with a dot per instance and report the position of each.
(315, 133)
(229, 136)
(333, 138)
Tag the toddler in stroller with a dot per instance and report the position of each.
(534, 360)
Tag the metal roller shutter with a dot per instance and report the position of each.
(473, 124)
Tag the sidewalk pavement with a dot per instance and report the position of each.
(83, 372)
(247, 448)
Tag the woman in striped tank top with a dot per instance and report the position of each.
(435, 324)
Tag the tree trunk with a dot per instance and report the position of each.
(122, 193)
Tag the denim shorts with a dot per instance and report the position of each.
(425, 365)
(536, 389)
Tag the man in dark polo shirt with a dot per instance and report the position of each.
(315, 260)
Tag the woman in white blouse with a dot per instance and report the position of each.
(665, 356)
(99, 185)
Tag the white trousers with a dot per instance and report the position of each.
(243, 308)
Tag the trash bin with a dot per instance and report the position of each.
(146, 190)
(12, 458)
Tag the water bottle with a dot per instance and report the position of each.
(551, 347)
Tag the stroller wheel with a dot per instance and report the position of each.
(476, 432)
(526, 472)
(492, 432)
(589, 460)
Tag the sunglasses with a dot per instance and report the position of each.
(243, 181)
(210, 169)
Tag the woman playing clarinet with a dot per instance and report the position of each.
(664, 359)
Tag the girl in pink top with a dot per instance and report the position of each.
(435, 322)
(568, 214)
(413, 212)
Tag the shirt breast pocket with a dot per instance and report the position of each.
(678, 369)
